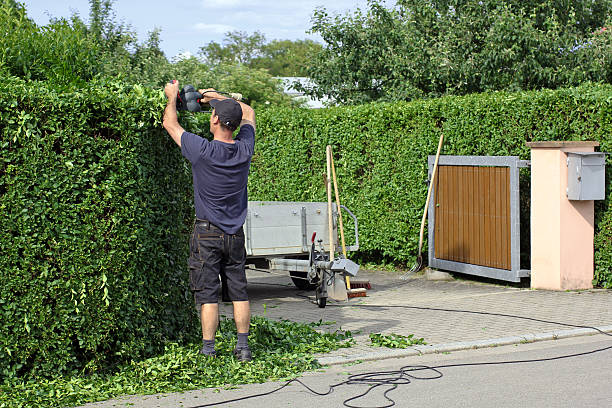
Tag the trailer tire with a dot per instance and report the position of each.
(300, 282)
(321, 302)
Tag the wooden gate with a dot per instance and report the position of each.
(474, 224)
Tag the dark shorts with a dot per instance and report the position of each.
(214, 254)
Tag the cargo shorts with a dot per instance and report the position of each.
(215, 255)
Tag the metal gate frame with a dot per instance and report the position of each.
(515, 273)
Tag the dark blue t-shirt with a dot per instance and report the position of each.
(220, 171)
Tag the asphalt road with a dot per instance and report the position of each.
(581, 381)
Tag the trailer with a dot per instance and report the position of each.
(293, 238)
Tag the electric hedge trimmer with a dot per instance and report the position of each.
(189, 99)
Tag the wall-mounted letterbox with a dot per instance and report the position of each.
(586, 175)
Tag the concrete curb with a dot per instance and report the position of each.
(383, 353)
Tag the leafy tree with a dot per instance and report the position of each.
(238, 48)
(429, 48)
(67, 51)
(286, 58)
(61, 51)
(278, 57)
(72, 52)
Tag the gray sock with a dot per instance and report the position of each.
(243, 340)
(209, 346)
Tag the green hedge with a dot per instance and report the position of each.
(381, 153)
(95, 202)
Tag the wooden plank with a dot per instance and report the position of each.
(447, 224)
(491, 221)
(476, 210)
(441, 187)
(500, 219)
(437, 229)
(506, 220)
(471, 218)
(498, 234)
(501, 255)
(492, 214)
(486, 231)
(456, 248)
(465, 183)
(492, 203)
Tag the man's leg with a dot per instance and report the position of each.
(237, 288)
(242, 316)
(209, 320)
(206, 245)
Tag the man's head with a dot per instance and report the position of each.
(227, 114)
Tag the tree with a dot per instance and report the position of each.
(238, 48)
(278, 57)
(428, 48)
(284, 58)
(71, 52)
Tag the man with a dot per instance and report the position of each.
(220, 169)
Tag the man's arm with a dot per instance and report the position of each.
(170, 116)
(248, 114)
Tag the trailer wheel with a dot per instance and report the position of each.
(300, 281)
(321, 302)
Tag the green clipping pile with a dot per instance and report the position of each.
(395, 340)
(281, 350)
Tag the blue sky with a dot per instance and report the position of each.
(186, 26)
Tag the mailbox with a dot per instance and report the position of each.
(586, 175)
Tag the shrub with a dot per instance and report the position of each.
(381, 153)
(95, 202)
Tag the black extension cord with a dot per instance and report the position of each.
(406, 374)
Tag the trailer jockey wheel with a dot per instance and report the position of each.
(321, 291)
(321, 301)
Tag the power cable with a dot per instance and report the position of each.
(394, 378)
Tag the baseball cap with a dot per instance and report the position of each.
(229, 112)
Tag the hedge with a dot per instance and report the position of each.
(96, 200)
(381, 150)
(381, 153)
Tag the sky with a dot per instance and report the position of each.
(187, 26)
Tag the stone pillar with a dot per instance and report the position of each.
(561, 230)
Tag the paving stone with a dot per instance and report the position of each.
(441, 312)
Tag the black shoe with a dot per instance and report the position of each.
(211, 355)
(243, 354)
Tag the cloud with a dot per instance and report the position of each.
(286, 19)
(214, 28)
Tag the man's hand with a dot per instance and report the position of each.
(248, 114)
(210, 94)
(170, 117)
(171, 90)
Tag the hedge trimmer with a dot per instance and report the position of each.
(190, 99)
